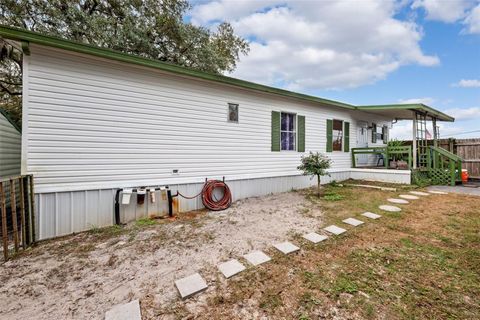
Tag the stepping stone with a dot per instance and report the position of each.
(390, 208)
(371, 215)
(231, 268)
(286, 247)
(437, 192)
(335, 230)
(399, 201)
(353, 222)
(419, 193)
(315, 237)
(257, 257)
(409, 197)
(127, 311)
(190, 285)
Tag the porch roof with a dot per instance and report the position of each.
(404, 111)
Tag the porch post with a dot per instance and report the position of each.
(435, 132)
(414, 140)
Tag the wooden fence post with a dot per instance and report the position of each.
(450, 145)
(13, 206)
(22, 212)
(4, 221)
(32, 208)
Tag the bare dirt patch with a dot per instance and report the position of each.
(82, 276)
(421, 263)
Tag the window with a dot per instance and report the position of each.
(337, 135)
(232, 112)
(379, 133)
(288, 131)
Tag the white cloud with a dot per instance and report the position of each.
(425, 100)
(444, 10)
(464, 114)
(402, 130)
(470, 83)
(472, 21)
(303, 45)
(450, 11)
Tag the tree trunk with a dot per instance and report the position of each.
(318, 186)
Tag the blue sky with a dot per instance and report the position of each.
(363, 51)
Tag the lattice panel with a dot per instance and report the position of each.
(439, 176)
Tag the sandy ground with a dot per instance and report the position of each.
(82, 276)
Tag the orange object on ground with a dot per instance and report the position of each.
(464, 175)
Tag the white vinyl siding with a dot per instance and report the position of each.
(10, 148)
(94, 123)
(372, 159)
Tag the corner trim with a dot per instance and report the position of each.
(26, 48)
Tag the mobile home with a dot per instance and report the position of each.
(96, 121)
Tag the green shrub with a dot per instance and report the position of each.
(421, 179)
(315, 164)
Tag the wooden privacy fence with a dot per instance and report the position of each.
(468, 150)
(17, 221)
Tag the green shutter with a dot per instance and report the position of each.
(275, 131)
(301, 134)
(385, 134)
(329, 135)
(374, 133)
(346, 140)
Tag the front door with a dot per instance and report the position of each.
(362, 142)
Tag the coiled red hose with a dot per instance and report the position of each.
(208, 198)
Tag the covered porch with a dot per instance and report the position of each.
(423, 157)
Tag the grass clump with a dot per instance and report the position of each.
(333, 197)
(143, 222)
(345, 285)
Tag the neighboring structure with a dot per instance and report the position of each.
(10, 146)
(95, 120)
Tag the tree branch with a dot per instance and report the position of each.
(4, 88)
(11, 83)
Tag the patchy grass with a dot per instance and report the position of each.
(143, 222)
(421, 263)
(333, 197)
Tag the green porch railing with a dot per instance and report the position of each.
(387, 152)
(443, 166)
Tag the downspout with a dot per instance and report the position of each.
(117, 206)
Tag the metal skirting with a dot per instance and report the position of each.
(63, 213)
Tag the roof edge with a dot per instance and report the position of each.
(413, 106)
(50, 41)
(9, 119)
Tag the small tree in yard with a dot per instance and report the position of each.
(315, 164)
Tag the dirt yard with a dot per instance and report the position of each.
(422, 263)
(82, 276)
